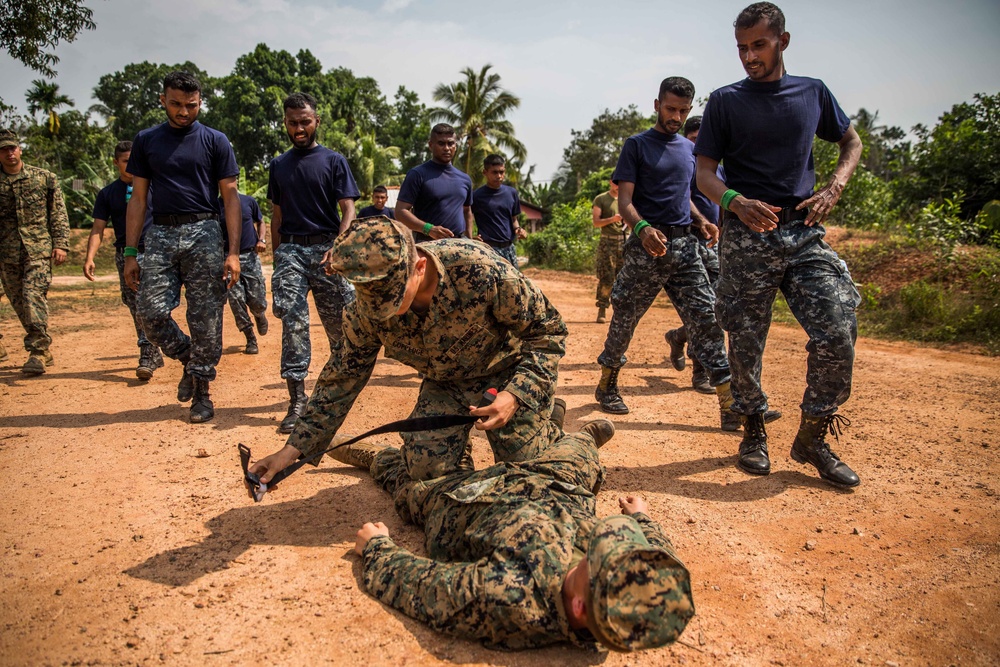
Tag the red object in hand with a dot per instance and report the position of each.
(489, 396)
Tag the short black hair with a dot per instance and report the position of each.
(693, 124)
(380, 188)
(300, 101)
(761, 11)
(493, 160)
(442, 130)
(183, 81)
(677, 85)
(122, 148)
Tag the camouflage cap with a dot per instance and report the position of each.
(640, 595)
(9, 138)
(377, 255)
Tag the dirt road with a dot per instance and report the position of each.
(122, 546)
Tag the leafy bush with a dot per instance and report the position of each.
(568, 243)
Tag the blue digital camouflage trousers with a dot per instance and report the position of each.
(190, 255)
(710, 258)
(820, 293)
(26, 283)
(249, 292)
(129, 298)
(681, 274)
(297, 270)
(509, 253)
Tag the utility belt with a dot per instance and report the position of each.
(174, 220)
(308, 239)
(673, 231)
(785, 215)
(498, 244)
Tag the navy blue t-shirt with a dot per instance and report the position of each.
(494, 210)
(661, 166)
(184, 166)
(706, 206)
(250, 214)
(111, 205)
(438, 192)
(371, 211)
(764, 131)
(307, 183)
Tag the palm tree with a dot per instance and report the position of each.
(478, 108)
(44, 96)
(376, 163)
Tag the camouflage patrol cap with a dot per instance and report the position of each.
(8, 138)
(377, 255)
(640, 594)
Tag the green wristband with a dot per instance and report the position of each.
(639, 226)
(130, 251)
(727, 198)
(427, 228)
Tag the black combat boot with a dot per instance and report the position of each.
(185, 388)
(810, 447)
(297, 401)
(699, 378)
(728, 420)
(601, 430)
(558, 415)
(149, 360)
(261, 321)
(677, 339)
(753, 448)
(202, 408)
(607, 392)
(251, 347)
(360, 454)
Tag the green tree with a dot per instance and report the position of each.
(29, 30)
(44, 96)
(408, 129)
(478, 108)
(376, 164)
(597, 147)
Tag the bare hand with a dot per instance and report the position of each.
(821, 203)
(755, 214)
(654, 241)
(260, 247)
(616, 218)
(521, 233)
(132, 273)
(710, 232)
(269, 466)
(58, 256)
(439, 232)
(633, 505)
(497, 413)
(88, 269)
(367, 532)
(326, 262)
(231, 270)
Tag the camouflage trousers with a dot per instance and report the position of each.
(453, 506)
(509, 253)
(820, 293)
(430, 454)
(608, 263)
(129, 298)
(681, 274)
(710, 258)
(297, 270)
(190, 255)
(249, 293)
(26, 283)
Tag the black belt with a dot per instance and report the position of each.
(498, 244)
(674, 231)
(182, 218)
(785, 215)
(307, 239)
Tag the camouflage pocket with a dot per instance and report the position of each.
(487, 490)
(848, 292)
(474, 345)
(727, 307)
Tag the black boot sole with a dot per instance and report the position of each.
(799, 458)
(753, 471)
(144, 373)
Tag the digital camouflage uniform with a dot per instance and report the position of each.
(820, 293)
(500, 542)
(608, 261)
(487, 326)
(681, 274)
(129, 298)
(249, 292)
(297, 270)
(190, 254)
(33, 222)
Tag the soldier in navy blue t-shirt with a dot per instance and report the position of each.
(380, 195)
(772, 236)
(307, 186)
(184, 165)
(495, 207)
(654, 174)
(110, 206)
(435, 200)
(250, 292)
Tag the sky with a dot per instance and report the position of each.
(910, 60)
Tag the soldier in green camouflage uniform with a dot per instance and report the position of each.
(610, 247)
(461, 315)
(517, 558)
(34, 233)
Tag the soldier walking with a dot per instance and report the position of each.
(608, 261)
(250, 292)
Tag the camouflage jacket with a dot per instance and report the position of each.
(500, 543)
(485, 318)
(32, 213)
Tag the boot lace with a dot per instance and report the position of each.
(834, 425)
